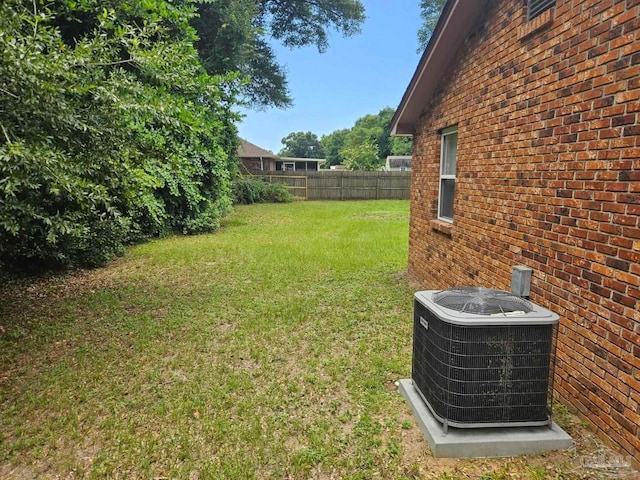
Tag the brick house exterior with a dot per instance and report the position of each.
(547, 175)
(255, 159)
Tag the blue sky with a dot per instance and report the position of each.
(356, 76)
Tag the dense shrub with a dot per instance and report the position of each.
(277, 193)
(110, 130)
(248, 190)
(254, 190)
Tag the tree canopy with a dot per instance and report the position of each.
(361, 156)
(332, 144)
(301, 145)
(430, 12)
(371, 133)
(234, 36)
(365, 146)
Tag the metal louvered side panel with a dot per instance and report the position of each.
(427, 367)
(536, 7)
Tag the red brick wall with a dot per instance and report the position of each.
(548, 176)
(254, 165)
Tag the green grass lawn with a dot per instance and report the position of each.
(266, 350)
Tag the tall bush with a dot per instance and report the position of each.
(110, 130)
(255, 190)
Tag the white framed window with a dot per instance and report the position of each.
(448, 156)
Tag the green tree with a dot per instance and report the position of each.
(301, 145)
(430, 11)
(332, 144)
(362, 156)
(230, 41)
(234, 35)
(372, 129)
(111, 130)
(401, 146)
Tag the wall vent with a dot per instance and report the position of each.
(536, 7)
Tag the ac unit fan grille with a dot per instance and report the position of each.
(481, 301)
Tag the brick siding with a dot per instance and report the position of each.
(253, 165)
(548, 176)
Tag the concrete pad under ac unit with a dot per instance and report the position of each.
(481, 442)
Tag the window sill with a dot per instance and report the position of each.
(541, 21)
(443, 227)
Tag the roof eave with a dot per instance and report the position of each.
(456, 21)
(302, 159)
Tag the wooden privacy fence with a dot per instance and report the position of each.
(344, 185)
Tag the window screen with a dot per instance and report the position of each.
(536, 7)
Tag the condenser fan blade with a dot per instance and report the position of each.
(481, 301)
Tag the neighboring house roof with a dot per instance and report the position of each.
(456, 21)
(249, 150)
(399, 161)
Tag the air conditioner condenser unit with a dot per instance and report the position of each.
(483, 357)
